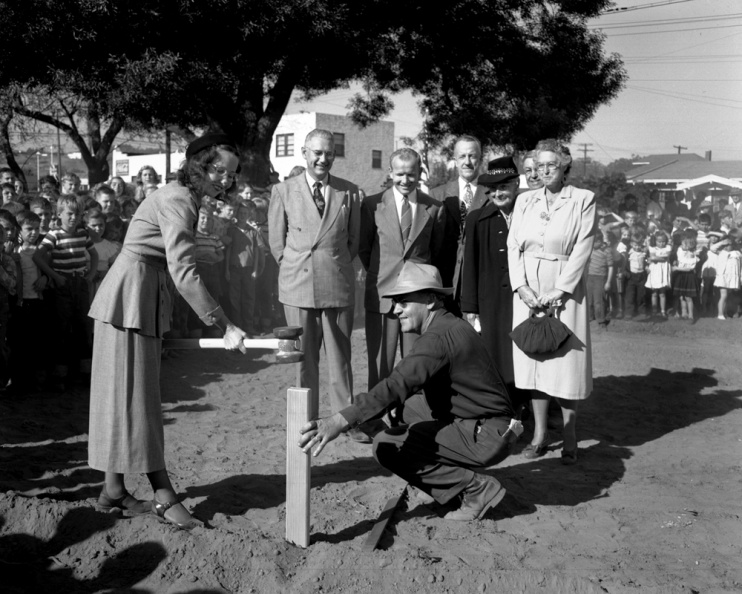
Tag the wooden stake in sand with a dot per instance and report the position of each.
(300, 409)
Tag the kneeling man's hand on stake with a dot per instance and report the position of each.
(317, 434)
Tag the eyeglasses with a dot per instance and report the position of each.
(223, 171)
(547, 166)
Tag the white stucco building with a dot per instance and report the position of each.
(362, 154)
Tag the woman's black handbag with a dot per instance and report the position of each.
(540, 334)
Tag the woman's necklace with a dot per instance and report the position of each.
(551, 199)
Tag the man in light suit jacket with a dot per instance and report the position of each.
(460, 197)
(735, 207)
(399, 225)
(314, 224)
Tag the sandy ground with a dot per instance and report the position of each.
(653, 504)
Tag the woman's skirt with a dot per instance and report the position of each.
(126, 433)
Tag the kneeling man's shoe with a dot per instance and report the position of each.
(481, 494)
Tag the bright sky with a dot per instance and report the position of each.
(684, 61)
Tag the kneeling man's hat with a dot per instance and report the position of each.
(418, 277)
(499, 170)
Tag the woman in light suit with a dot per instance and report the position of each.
(549, 245)
(132, 311)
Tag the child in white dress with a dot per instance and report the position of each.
(659, 270)
(728, 271)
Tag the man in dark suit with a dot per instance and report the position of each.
(460, 197)
(457, 412)
(399, 225)
(486, 294)
(314, 223)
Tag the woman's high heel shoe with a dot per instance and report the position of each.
(126, 505)
(159, 509)
(532, 451)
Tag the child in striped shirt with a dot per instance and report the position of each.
(62, 257)
(599, 278)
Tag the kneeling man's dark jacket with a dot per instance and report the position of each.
(450, 364)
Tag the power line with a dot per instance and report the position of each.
(660, 22)
(694, 80)
(675, 96)
(690, 47)
(672, 31)
(623, 9)
(705, 97)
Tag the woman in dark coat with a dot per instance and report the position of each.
(132, 311)
(486, 293)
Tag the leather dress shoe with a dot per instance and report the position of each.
(481, 494)
(569, 457)
(126, 504)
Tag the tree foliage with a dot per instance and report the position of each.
(509, 71)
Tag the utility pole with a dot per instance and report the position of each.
(585, 151)
(680, 148)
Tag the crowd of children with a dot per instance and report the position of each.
(58, 245)
(682, 266)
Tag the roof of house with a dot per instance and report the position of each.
(646, 165)
(682, 168)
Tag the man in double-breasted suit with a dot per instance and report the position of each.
(314, 224)
(399, 225)
(460, 197)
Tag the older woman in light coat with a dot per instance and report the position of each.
(549, 245)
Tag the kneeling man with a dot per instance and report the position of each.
(457, 413)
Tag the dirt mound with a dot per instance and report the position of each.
(651, 506)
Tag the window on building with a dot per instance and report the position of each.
(376, 159)
(284, 145)
(339, 144)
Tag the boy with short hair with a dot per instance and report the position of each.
(106, 198)
(70, 183)
(62, 257)
(599, 279)
(7, 175)
(703, 227)
(636, 263)
(8, 283)
(28, 353)
(43, 209)
(95, 223)
(8, 193)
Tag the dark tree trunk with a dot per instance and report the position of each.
(6, 115)
(255, 164)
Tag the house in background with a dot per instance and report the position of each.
(129, 157)
(674, 175)
(361, 154)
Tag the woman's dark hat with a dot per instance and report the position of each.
(499, 170)
(207, 140)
